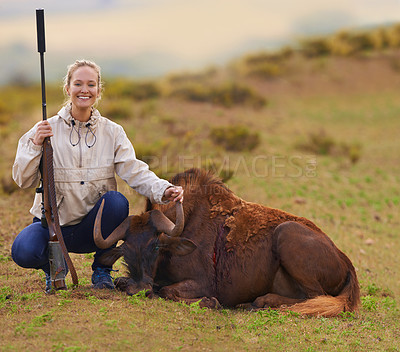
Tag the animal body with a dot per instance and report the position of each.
(223, 250)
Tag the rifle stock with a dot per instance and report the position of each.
(57, 249)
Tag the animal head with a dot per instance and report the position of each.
(145, 237)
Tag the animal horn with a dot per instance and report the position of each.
(115, 236)
(163, 224)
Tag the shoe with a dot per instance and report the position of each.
(101, 278)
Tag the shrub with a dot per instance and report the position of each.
(5, 113)
(233, 94)
(144, 91)
(148, 108)
(263, 57)
(315, 47)
(152, 153)
(266, 65)
(318, 143)
(340, 44)
(352, 151)
(198, 77)
(235, 138)
(226, 95)
(346, 43)
(379, 39)
(393, 36)
(323, 144)
(264, 70)
(122, 88)
(361, 42)
(7, 184)
(116, 109)
(192, 92)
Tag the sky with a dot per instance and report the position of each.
(150, 37)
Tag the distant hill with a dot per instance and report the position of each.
(20, 62)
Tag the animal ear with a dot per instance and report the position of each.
(110, 257)
(177, 245)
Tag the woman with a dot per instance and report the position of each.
(88, 150)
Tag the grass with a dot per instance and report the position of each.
(355, 202)
(104, 321)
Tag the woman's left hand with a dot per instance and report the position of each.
(174, 193)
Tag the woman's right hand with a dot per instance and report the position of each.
(43, 130)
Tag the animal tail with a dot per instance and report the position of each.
(331, 306)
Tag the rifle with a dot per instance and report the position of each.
(57, 249)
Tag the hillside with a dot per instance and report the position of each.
(314, 135)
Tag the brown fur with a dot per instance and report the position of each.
(252, 256)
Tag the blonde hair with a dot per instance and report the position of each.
(72, 68)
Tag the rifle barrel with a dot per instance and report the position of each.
(40, 30)
(41, 49)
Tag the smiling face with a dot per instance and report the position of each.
(83, 88)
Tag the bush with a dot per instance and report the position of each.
(8, 185)
(352, 151)
(226, 95)
(235, 138)
(192, 92)
(340, 44)
(319, 143)
(199, 77)
(265, 65)
(315, 47)
(5, 113)
(152, 153)
(265, 57)
(116, 109)
(379, 39)
(233, 94)
(264, 70)
(393, 36)
(323, 144)
(122, 88)
(350, 43)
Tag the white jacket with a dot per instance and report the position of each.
(85, 164)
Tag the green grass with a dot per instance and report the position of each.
(355, 203)
(117, 322)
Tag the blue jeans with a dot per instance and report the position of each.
(30, 247)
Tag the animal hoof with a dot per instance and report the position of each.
(211, 303)
(246, 306)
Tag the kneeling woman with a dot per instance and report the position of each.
(88, 150)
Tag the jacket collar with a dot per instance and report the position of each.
(65, 114)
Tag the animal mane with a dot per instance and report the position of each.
(199, 186)
(196, 183)
(138, 221)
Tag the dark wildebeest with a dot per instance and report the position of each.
(231, 252)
